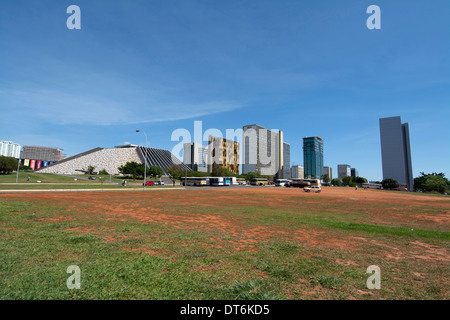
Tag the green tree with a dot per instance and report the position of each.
(219, 171)
(103, 172)
(90, 170)
(347, 181)
(174, 172)
(360, 180)
(155, 172)
(252, 175)
(326, 178)
(432, 182)
(8, 164)
(389, 183)
(336, 182)
(132, 169)
(436, 183)
(24, 168)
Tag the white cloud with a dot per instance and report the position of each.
(67, 108)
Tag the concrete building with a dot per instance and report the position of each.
(396, 151)
(223, 153)
(344, 170)
(42, 153)
(10, 149)
(354, 172)
(195, 156)
(328, 171)
(286, 171)
(297, 172)
(313, 157)
(110, 159)
(37, 157)
(263, 151)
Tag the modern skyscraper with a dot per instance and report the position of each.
(263, 151)
(344, 170)
(223, 153)
(313, 157)
(328, 171)
(354, 172)
(195, 156)
(396, 151)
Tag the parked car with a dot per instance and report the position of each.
(312, 188)
(92, 178)
(149, 183)
(159, 183)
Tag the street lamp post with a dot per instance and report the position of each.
(18, 165)
(145, 158)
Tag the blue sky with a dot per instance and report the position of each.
(305, 67)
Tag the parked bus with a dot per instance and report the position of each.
(216, 181)
(314, 182)
(194, 181)
(298, 183)
(372, 186)
(301, 183)
(259, 182)
(241, 181)
(226, 181)
(281, 182)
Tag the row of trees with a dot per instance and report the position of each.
(8, 164)
(136, 170)
(432, 182)
(346, 181)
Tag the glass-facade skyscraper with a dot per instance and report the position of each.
(313, 157)
(396, 151)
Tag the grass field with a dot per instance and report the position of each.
(248, 243)
(48, 181)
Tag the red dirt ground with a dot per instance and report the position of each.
(162, 207)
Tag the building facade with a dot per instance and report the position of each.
(297, 172)
(10, 149)
(344, 170)
(354, 172)
(286, 171)
(223, 153)
(37, 157)
(328, 171)
(263, 151)
(195, 156)
(396, 151)
(110, 159)
(313, 157)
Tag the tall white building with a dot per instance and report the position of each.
(10, 149)
(328, 171)
(195, 156)
(264, 152)
(297, 172)
(344, 170)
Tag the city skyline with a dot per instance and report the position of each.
(160, 67)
